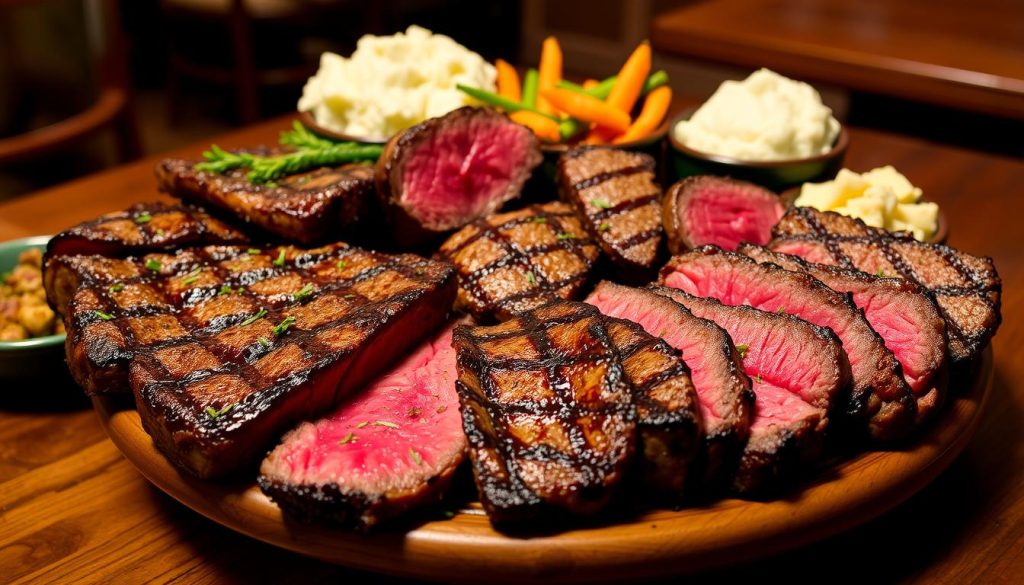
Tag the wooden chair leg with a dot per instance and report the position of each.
(245, 68)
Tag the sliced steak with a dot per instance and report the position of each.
(615, 193)
(726, 400)
(720, 211)
(451, 170)
(880, 396)
(519, 260)
(900, 311)
(799, 371)
(392, 447)
(304, 207)
(967, 288)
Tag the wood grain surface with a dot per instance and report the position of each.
(72, 509)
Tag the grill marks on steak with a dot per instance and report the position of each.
(725, 399)
(720, 211)
(615, 193)
(899, 310)
(305, 207)
(880, 395)
(393, 446)
(224, 347)
(967, 288)
(519, 260)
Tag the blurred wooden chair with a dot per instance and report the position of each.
(112, 108)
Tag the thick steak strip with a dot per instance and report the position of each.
(902, 312)
(305, 207)
(392, 447)
(799, 371)
(726, 400)
(880, 396)
(615, 193)
(519, 260)
(717, 210)
(967, 288)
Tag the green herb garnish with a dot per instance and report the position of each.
(253, 251)
(881, 273)
(448, 514)
(416, 458)
(215, 414)
(224, 290)
(192, 276)
(283, 326)
(600, 204)
(758, 379)
(384, 423)
(104, 316)
(116, 287)
(264, 169)
(540, 220)
(341, 264)
(259, 315)
(300, 137)
(781, 310)
(604, 227)
(153, 264)
(264, 341)
(363, 424)
(271, 184)
(303, 292)
(347, 438)
(531, 278)
(561, 237)
(350, 296)
(742, 348)
(144, 217)
(280, 259)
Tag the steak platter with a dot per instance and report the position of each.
(368, 341)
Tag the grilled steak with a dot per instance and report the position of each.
(720, 211)
(304, 207)
(726, 401)
(520, 260)
(615, 193)
(448, 171)
(224, 346)
(899, 310)
(798, 370)
(392, 447)
(880, 395)
(967, 288)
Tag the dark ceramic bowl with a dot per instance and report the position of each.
(309, 121)
(776, 175)
(939, 237)
(38, 356)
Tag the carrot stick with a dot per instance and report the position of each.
(508, 80)
(545, 128)
(653, 112)
(591, 84)
(631, 79)
(588, 109)
(550, 71)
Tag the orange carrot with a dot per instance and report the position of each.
(549, 71)
(545, 128)
(587, 108)
(631, 79)
(591, 84)
(508, 80)
(653, 112)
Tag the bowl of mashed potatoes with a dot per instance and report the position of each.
(766, 129)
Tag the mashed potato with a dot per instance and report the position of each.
(393, 82)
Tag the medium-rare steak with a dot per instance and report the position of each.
(902, 312)
(799, 370)
(615, 193)
(448, 171)
(519, 260)
(726, 401)
(720, 211)
(305, 207)
(880, 396)
(967, 288)
(392, 447)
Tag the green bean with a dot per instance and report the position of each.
(530, 88)
(502, 102)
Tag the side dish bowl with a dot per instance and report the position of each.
(38, 355)
(940, 236)
(310, 122)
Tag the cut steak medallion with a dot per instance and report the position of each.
(615, 193)
(448, 171)
(726, 401)
(880, 396)
(967, 288)
(899, 310)
(519, 260)
(392, 447)
(799, 370)
(720, 211)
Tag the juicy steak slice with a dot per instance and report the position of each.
(392, 447)
(726, 400)
(224, 347)
(615, 193)
(305, 207)
(448, 171)
(520, 260)
(548, 411)
(900, 311)
(799, 372)
(720, 211)
(880, 396)
(967, 288)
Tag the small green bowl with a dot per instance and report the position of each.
(38, 356)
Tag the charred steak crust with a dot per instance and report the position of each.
(615, 193)
(305, 207)
(967, 288)
(520, 260)
(748, 219)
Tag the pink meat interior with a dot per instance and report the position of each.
(902, 333)
(808, 250)
(726, 214)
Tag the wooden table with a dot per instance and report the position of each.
(73, 510)
(962, 54)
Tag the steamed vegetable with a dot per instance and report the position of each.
(654, 110)
(544, 127)
(550, 71)
(508, 81)
(587, 109)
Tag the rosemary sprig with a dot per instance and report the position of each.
(263, 169)
(300, 137)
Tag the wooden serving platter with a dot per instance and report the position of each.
(465, 548)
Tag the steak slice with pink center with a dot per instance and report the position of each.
(720, 211)
(880, 396)
(391, 448)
